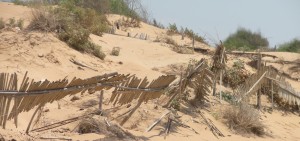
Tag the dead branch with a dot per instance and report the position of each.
(157, 121)
(81, 64)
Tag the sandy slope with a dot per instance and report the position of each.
(46, 57)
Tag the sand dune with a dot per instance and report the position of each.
(46, 57)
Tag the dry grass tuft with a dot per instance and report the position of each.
(89, 103)
(44, 20)
(244, 119)
(98, 125)
(115, 51)
(90, 125)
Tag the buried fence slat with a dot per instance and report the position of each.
(33, 115)
(272, 94)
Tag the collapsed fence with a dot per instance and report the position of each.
(15, 99)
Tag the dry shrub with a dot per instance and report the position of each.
(183, 50)
(170, 41)
(93, 125)
(72, 28)
(43, 19)
(90, 125)
(244, 119)
(2, 23)
(115, 51)
(89, 103)
(236, 75)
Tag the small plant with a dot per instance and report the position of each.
(2, 23)
(190, 33)
(11, 22)
(172, 29)
(89, 103)
(236, 75)
(115, 51)
(175, 104)
(169, 40)
(20, 23)
(18, 2)
(227, 96)
(292, 46)
(244, 119)
(90, 125)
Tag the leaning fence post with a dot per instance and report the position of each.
(29, 124)
(101, 100)
(272, 94)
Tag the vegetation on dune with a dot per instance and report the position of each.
(2, 23)
(12, 22)
(244, 119)
(292, 46)
(172, 29)
(245, 40)
(75, 20)
(236, 75)
(157, 24)
(72, 23)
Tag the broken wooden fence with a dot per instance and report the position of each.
(256, 81)
(15, 99)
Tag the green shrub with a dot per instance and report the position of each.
(2, 23)
(73, 25)
(156, 24)
(245, 40)
(18, 2)
(172, 29)
(45, 19)
(190, 33)
(235, 75)
(125, 8)
(292, 46)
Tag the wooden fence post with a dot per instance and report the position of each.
(259, 90)
(272, 94)
(29, 124)
(101, 100)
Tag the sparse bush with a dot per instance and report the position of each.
(2, 23)
(89, 103)
(175, 104)
(20, 23)
(156, 24)
(244, 119)
(245, 40)
(227, 96)
(73, 25)
(127, 8)
(190, 33)
(44, 20)
(292, 46)
(183, 50)
(18, 2)
(235, 75)
(172, 29)
(90, 125)
(115, 51)
(12, 22)
(170, 41)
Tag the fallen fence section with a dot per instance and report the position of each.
(15, 99)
